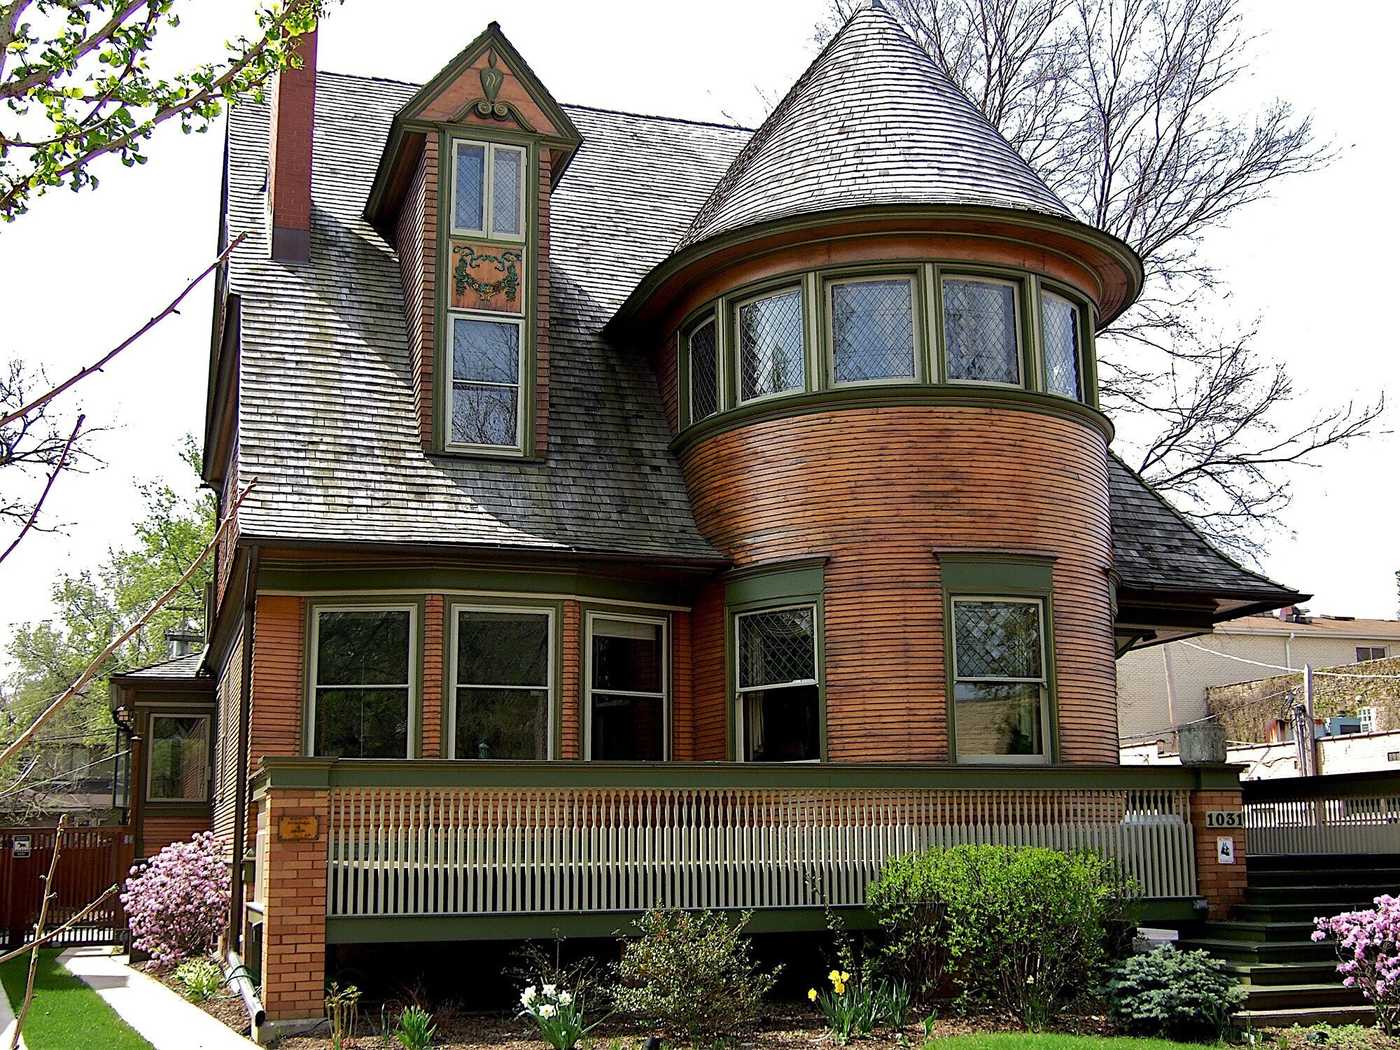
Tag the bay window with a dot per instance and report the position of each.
(501, 683)
(703, 358)
(1059, 328)
(1000, 685)
(178, 769)
(872, 329)
(777, 690)
(626, 688)
(772, 346)
(362, 682)
(981, 338)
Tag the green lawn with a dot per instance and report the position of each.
(65, 1012)
(1050, 1041)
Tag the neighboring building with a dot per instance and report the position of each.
(1165, 686)
(653, 511)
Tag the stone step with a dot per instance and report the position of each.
(1385, 877)
(1273, 974)
(1331, 895)
(1304, 912)
(1237, 930)
(1240, 951)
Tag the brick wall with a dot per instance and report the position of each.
(1222, 885)
(294, 932)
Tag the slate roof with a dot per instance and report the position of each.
(873, 120)
(326, 418)
(181, 667)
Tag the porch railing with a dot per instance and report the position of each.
(1342, 813)
(438, 839)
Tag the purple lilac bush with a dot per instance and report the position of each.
(1368, 945)
(178, 900)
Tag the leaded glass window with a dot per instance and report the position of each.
(179, 762)
(501, 681)
(778, 692)
(469, 186)
(979, 330)
(872, 330)
(486, 366)
(1059, 326)
(507, 191)
(362, 682)
(626, 688)
(704, 371)
(999, 682)
(489, 179)
(771, 346)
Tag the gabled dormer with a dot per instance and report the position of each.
(463, 192)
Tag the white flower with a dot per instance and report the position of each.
(527, 996)
(565, 998)
(546, 1010)
(548, 990)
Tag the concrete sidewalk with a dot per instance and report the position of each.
(166, 1019)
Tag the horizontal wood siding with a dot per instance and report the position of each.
(878, 491)
(157, 831)
(417, 238)
(434, 743)
(278, 669)
(682, 690)
(226, 751)
(711, 686)
(571, 684)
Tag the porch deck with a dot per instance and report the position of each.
(447, 850)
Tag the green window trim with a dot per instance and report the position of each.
(765, 589)
(1012, 577)
(554, 614)
(449, 136)
(591, 614)
(931, 381)
(206, 756)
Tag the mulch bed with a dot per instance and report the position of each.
(225, 1007)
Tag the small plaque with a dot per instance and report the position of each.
(23, 846)
(1225, 818)
(1225, 850)
(297, 829)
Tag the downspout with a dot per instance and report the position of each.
(240, 775)
(236, 977)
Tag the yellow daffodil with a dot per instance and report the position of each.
(834, 976)
(845, 977)
(811, 995)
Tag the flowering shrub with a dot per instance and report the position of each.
(559, 1014)
(178, 900)
(1368, 945)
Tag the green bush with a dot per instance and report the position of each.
(202, 978)
(692, 975)
(1018, 928)
(1173, 994)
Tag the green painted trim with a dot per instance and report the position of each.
(1336, 785)
(603, 608)
(949, 395)
(1167, 909)
(1115, 248)
(779, 583)
(1088, 368)
(439, 580)
(602, 924)
(734, 301)
(996, 572)
(283, 772)
(419, 602)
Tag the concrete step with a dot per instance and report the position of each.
(1306, 1015)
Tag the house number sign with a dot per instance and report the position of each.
(297, 829)
(1224, 818)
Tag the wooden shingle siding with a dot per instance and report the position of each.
(571, 683)
(878, 491)
(435, 634)
(226, 752)
(278, 669)
(416, 238)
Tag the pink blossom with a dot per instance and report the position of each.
(1368, 949)
(177, 901)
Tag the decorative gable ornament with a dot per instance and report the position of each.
(490, 106)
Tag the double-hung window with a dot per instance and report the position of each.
(488, 189)
(1000, 693)
(772, 347)
(626, 687)
(487, 399)
(362, 682)
(1059, 339)
(872, 330)
(778, 692)
(981, 330)
(178, 769)
(502, 681)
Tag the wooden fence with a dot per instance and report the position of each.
(92, 860)
(1344, 813)
(478, 851)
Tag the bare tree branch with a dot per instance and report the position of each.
(48, 485)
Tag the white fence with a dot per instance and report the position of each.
(1360, 824)
(488, 851)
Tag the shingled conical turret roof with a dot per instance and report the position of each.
(874, 120)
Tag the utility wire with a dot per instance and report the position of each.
(1280, 667)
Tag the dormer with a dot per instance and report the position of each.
(462, 191)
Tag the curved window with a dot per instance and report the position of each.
(704, 371)
(771, 347)
(1059, 326)
(980, 330)
(872, 330)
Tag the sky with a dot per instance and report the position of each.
(1311, 265)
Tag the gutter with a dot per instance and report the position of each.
(236, 977)
(240, 774)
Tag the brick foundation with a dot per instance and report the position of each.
(1222, 885)
(294, 937)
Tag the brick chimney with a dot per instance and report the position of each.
(289, 156)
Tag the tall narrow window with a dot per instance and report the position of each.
(771, 346)
(626, 688)
(999, 683)
(980, 330)
(1059, 326)
(704, 371)
(501, 681)
(872, 330)
(489, 179)
(179, 762)
(362, 682)
(486, 366)
(778, 694)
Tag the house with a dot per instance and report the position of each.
(1166, 686)
(649, 511)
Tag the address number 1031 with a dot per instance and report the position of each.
(1224, 818)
